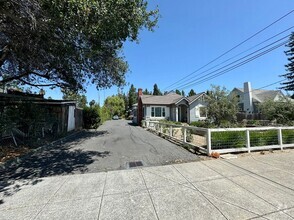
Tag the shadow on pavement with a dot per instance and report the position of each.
(59, 159)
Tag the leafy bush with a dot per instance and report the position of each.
(263, 138)
(288, 136)
(201, 124)
(228, 139)
(91, 117)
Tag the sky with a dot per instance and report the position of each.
(191, 34)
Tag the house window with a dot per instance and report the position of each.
(203, 111)
(157, 112)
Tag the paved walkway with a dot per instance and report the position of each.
(251, 187)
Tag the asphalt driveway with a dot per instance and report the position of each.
(122, 143)
(111, 147)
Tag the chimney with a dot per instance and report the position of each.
(140, 92)
(248, 105)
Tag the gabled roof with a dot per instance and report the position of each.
(170, 98)
(195, 97)
(160, 100)
(263, 95)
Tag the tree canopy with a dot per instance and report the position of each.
(115, 105)
(192, 92)
(69, 43)
(132, 96)
(156, 90)
(289, 85)
(221, 107)
(81, 99)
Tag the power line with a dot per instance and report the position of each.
(230, 68)
(234, 56)
(263, 29)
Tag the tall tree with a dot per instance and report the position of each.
(69, 43)
(178, 92)
(192, 92)
(183, 93)
(289, 85)
(219, 106)
(156, 90)
(146, 92)
(115, 105)
(132, 96)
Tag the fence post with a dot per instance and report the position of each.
(170, 131)
(161, 130)
(248, 141)
(280, 137)
(208, 141)
(185, 135)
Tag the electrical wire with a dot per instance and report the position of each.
(185, 81)
(249, 38)
(198, 81)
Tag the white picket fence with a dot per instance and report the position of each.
(225, 140)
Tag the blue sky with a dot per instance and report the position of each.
(192, 33)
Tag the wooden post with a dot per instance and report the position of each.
(170, 131)
(248, 141)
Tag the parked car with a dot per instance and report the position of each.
(115, 117)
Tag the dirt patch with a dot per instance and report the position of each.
(8, 153)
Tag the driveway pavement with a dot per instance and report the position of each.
(250, 187)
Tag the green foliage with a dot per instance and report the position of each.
(114, 105)
(178, 92)
(156, 90)
(91, 116)
(202, 124)
(288, 136)
(183, 93)
(220, 106)
(146, 92)
(68, 43)
(228, 139)
(81, 99)
(105, 114)
(191, 93)
(263, 138)
(281, 111)
(20, 116)
(289, 85)
(132, 96)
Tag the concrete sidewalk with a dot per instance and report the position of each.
(250, 187)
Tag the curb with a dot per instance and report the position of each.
(19, 159)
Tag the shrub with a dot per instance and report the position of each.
(288, 136)
(228, 139)
(263, 138)
(91, 117)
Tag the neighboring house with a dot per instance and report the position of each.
(171, 107)
(250, 98)
(60, 116)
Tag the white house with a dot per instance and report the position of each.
(171, 107)
(250, 98)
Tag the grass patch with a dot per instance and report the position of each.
(263, 138)
(228, 139)
(288, 136)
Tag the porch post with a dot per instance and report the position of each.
(177, 115)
